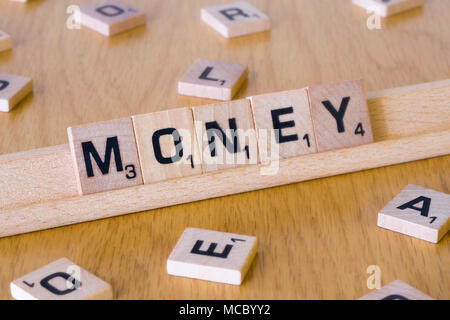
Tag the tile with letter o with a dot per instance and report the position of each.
(397, 290)
(12, 90)
(387, 8)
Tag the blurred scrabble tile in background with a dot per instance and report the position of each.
(5, 41)
(235, 19)
(213, 80)
(111, 17)
(397, 290)
(418, 212)
(213, 256)
(387, 8)
(12, 90)
(60, 280)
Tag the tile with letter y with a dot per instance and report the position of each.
(167, 145)
(212, 256)
(387, 8)
(340, 115)
(60, 280)
(397, 290)
(105, 156)
(12, 90)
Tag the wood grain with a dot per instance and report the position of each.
(316, 238)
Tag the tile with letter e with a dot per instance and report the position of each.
(212, 256)
(340, 115)
(111, 17)
(397, 290)
(167, 145)
(213, 80)
(12, 90)
(235, 19)
(226, 135)
(283, 124)
(387, 8)
(418, 212)
(5, 41)
(105, 156)
(60, 280)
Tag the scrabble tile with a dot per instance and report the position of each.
(418, 212)
(283, 124)
(167, 145)
(387, 8)
(212, 256)
(23, 1)
(60, 280)
(105, 156)
(111, 17)
(397, 290)
(340, 115)
(5, 41)
(12, 90)
(213, 80)
(226, 135)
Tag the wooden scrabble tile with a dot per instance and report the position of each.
(235, 19)
(397, 290)
(167, 145)
(283, 124)
(340, 115)
(111, 17)
(60, 280)
(226, 135)
(418, 212)
(387, 8)
(5, 41)
(213, 256)
(105, 156)
(12, 90)
(213, 80)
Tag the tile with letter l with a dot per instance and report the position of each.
(397, 290)
(5, 41)
(12, 90)
(60, 280)
(212, 256)
(105, 156)
(340, 115)
(167, 145)
(418, 212)
(387, 8)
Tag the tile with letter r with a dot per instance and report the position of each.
(212, 256)
(105, 156)
(397, 290)
(213, 80)
(235, 19)
(12, 90)
(418, 212)
(167, 145)
(60, 280)
(340, 115)
(5, 41)
(111, 17)
(387, 8)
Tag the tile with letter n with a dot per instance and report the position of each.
(397, 290)
(105, 156)
(111, 17)
(418, 212)
(235, 19)
(213, 80)
(167, 145)
(340, 115)
(212, 256)
(60, 280)
(5, 41)
(387, 8)
(12, 90)
(226, 135)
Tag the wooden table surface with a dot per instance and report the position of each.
(316, 238)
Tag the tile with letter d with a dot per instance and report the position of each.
(387, 8)
(60, 280)
(340, 115)
(167, 145)
(12, 90)
(418, 212)
(105, 156)
(397, 290)
(213, 256)
(5, 41)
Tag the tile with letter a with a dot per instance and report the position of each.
(397, 290)
(283, 124)
(5, 41)
(387, 8)
(12, 90)
(105, 156)
(111, 17)
(418, 212)
(213, 80)
(212, 256)
(226, 135)
(235, 19)
(60, 280)
(167, 145)
(340, 115)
